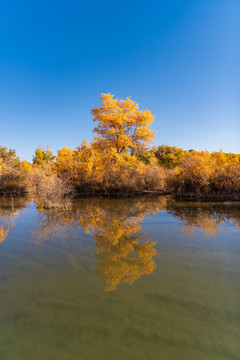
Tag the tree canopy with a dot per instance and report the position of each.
(42, 156)
(8, 157)
(121, 125)
(168, 156)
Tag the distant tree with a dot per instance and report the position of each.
(26, 166)
(43, 156)
(168, 156)
(9, 157)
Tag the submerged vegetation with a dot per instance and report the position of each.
(120, 162)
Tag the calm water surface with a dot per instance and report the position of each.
(120, 279)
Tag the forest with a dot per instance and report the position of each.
(121, 160)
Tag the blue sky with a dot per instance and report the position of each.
(179, 59)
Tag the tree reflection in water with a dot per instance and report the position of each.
(3, 233)
(10, 208)
(123, 251)
(205, 216)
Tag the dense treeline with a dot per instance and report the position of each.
(120, 162)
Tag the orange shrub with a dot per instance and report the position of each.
(204, 173)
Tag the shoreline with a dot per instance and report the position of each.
(143, 193)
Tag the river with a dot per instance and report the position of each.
(120, 279)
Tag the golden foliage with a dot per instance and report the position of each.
(207, 217)
(25, 166)
(3, 166)
(120, 246)
(108, 171)
(121, 125)
(123, 252)
(203, 173)
(168, 156)
(110, 164)
(3, 233)
(118, 162)
(42, 156)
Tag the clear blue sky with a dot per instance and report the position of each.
(179, 59)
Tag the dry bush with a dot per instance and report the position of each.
(207, 174)
(12, 182)
(48, 188)
(154, 177)
(128, 180)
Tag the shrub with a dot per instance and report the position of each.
(48, 188)
(12, 181)
(203, 173)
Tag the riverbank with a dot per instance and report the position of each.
(135, 194)
(208, 197)
(87, 172)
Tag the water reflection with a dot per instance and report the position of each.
(3, 233)
(10, 208)
(54, 224)
(206, 217)
(123, 250)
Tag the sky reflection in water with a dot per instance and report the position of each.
(123, 250)
(65, 280)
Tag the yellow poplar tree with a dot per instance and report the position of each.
(121, 125)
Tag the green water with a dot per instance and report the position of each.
(120, 279)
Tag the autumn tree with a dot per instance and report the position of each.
(112, 163)
(9, 157)
(12, 181)
(207, 174)
(168, 156)
(121, 125)
(42, 156)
